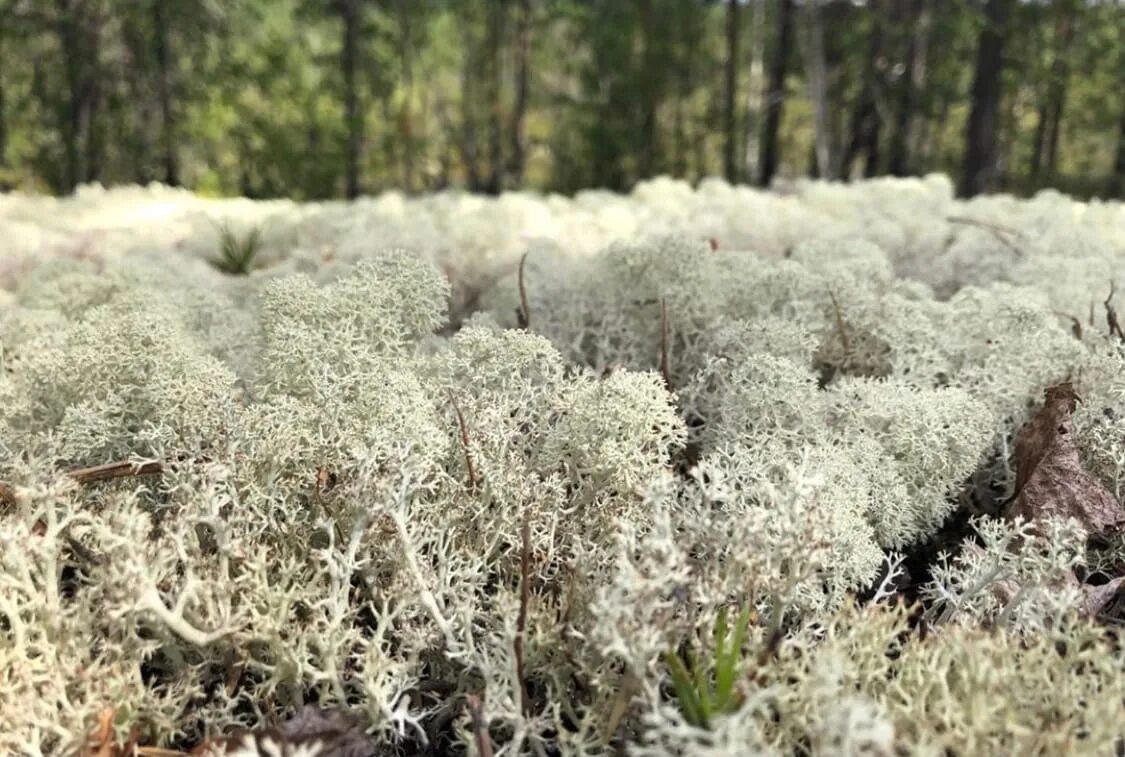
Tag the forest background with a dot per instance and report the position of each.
(318, 99)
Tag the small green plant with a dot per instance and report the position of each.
(706, 688)
(236, 254)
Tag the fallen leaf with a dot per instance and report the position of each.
(1097, 597)
(311, 731)
(1050, 478)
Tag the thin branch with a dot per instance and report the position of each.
(1075, 324)
(521, 619)
(665, 371)
(620, 707)
(473, 480)
(523, 313)
(120, 469)
(1111, 314)
(104, 472)
(996, 230)
(480, 727)
(83, 552)
(841, 326)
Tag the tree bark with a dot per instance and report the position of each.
(979, 171)
(730, 117)
(164, 87)
(518, 158)
(775, 95)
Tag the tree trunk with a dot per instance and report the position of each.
(518, 158)
(71, 121)
(775, 95)
(3, 117)
(864, 128)
(1056, 97)
(1037, 142)
(406, 109)
(818, 90)
(164, 87)
(493, 44)
(646, 160)
(1049, 116)
(1116, 186)
(468, 143)
(754, 91)
(900, 159)
(730, 119)
(92, 126)
(349, 64)
(979, 170)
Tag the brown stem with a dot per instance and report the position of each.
(464, 441)
(665, 371)
(841, 326)
(523, 315)
(1111, 315)
(120, 469)
(480, 727)
(995, 229)
(521, 619)
(1075, 324)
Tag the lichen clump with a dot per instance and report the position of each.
(387, 481)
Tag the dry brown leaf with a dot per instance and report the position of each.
(7, 498)
(1050, 478)
(1097, 597)
(325, 733)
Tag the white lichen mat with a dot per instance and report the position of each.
(483, 474)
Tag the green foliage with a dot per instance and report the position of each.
(237, 253)
(708, 685)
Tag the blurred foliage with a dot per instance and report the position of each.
(248, 96)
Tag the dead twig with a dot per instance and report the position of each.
(521, 619)
(665, 371)
(83, 552)
(996, 230)
(121, 469)
(620, 707)
(1075, 324)
(1111, 314)
(480, 726)
(841, 326)
(523, 313)
(473, 481)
